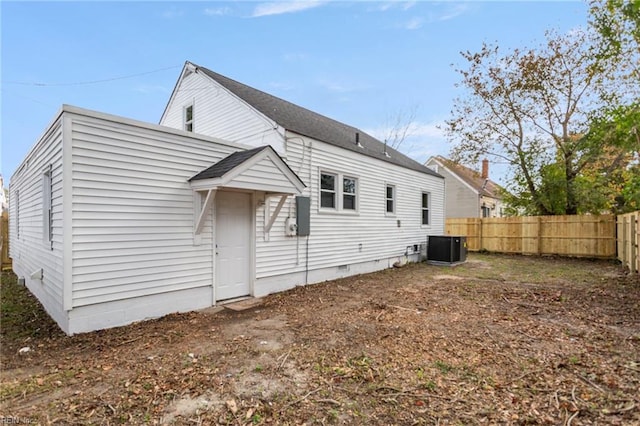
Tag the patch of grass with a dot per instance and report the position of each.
(443, 366)
(35, 385)
(258, 368)
(531, 269)
(21, 315)
(430, 385)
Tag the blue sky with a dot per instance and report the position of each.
(361, 62)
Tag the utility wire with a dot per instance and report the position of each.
(80, 83)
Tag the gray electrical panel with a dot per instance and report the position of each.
(303, 215)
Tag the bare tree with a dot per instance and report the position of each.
(400, 126)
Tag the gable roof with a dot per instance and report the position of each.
(225, 172)
(308, 123)
(473, 178)
(227, 164)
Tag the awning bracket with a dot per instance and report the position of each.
(211, 195)
(272, 216)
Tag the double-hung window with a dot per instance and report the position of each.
(188, 118)
(338, 192)
(349, 193)
(390, 199)
(328, 190)
(425, 208)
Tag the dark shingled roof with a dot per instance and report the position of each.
(308, 123)
(226, 164)
(474, 178)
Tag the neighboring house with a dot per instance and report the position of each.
(3, 197)
(115, 220)
(468, 193)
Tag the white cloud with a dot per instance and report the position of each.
(453, 12)
(408, 5)
(217, 11)
(416, 130)
(403, 5)
(172, 13)
(413, 23)
(278, 8)
(428, 130)
(282, 86)
(424, 140)
(295, 57)
(341, 87)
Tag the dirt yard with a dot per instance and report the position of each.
(498, 340)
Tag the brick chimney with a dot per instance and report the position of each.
(485, 169)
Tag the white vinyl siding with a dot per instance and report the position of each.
(337, 240)
(461, 199)
(264, 174)
(17, 212)
(36, 244)
(219, 114)
(47, 226)
(133, 211)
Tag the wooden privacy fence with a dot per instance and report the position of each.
(4, 241)
(628, 240)
(581, 236)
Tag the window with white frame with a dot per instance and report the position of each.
(47, 207)
(425, 208)
(390, 199)
(338, 192)
(349, 193)
(188, 118)
(328, 190)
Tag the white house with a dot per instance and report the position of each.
(236, 194)
(3, 199)
(468, 193)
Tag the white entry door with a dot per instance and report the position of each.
(233, 245)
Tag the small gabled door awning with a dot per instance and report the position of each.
(258, 169)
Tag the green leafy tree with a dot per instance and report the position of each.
(616, 173)
(617, 23)
(532, 109)
(617, 126)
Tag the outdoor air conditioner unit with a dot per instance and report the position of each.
(446, 250)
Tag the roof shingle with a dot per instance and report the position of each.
(308, 123)
(485, 187)
(227, 164)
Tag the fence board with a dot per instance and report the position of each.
(628, 230)
(5, 260)
(580, 236)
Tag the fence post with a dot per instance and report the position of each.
(539, 239)
(633, 241)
